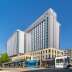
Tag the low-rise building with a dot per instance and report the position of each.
(68, 52)
(45, 56)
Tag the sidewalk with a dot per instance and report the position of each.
(18, 69)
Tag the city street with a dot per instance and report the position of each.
(35, 70)
(51, 70)
(19, 69)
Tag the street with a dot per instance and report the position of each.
(51, 70)
(35, 70)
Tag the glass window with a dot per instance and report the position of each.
(46, 56)
(55, 52)
(41, 52)
(49, 50)
(53, 56)
(43, 56)
(46, 51)
(66, 60)
(49, 56)
(59, 60)
(58, 52)
(52, 51)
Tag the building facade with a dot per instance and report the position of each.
(44, 32)
(15, 44)
(40, 40)
(68, 52)
(28, 42)
(45, 56)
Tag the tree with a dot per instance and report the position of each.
(4, 58)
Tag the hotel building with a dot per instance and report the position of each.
(40, 40)
(44, 32)
(15, 44)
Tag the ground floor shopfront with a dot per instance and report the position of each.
(31, 63)
(41, 58)
(17, 64)
(50, 63)
(13, 64)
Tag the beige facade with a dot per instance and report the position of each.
(47, 53)
(20, 57)
(44, 54)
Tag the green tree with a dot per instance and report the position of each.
(4, 58)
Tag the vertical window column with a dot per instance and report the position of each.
(46, 32)
(41, 40)
(33, 35)
(43, 33)
(39, 37)
(35, 39)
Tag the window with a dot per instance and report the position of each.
(41, 52)
(62, 53)
(46, 51)
(49, 56)
(66, 60)
(52, 51)
(43, 57)
(59, 61)
(55, 52)
(49, 50)
(58, 52)
(46, 56)
(53, 56)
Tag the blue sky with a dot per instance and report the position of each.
(20, 14)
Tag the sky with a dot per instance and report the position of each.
(20, 14)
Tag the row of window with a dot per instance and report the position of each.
(40, 36)
(48, 52)
(46, 57)
(53, 52)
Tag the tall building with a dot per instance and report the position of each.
(15, 44)
(40, 40)
(28, 42)
(44, 32)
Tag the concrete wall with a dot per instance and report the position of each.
(21, 42)
(15, 43)
(12, 45)
(28, 42)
